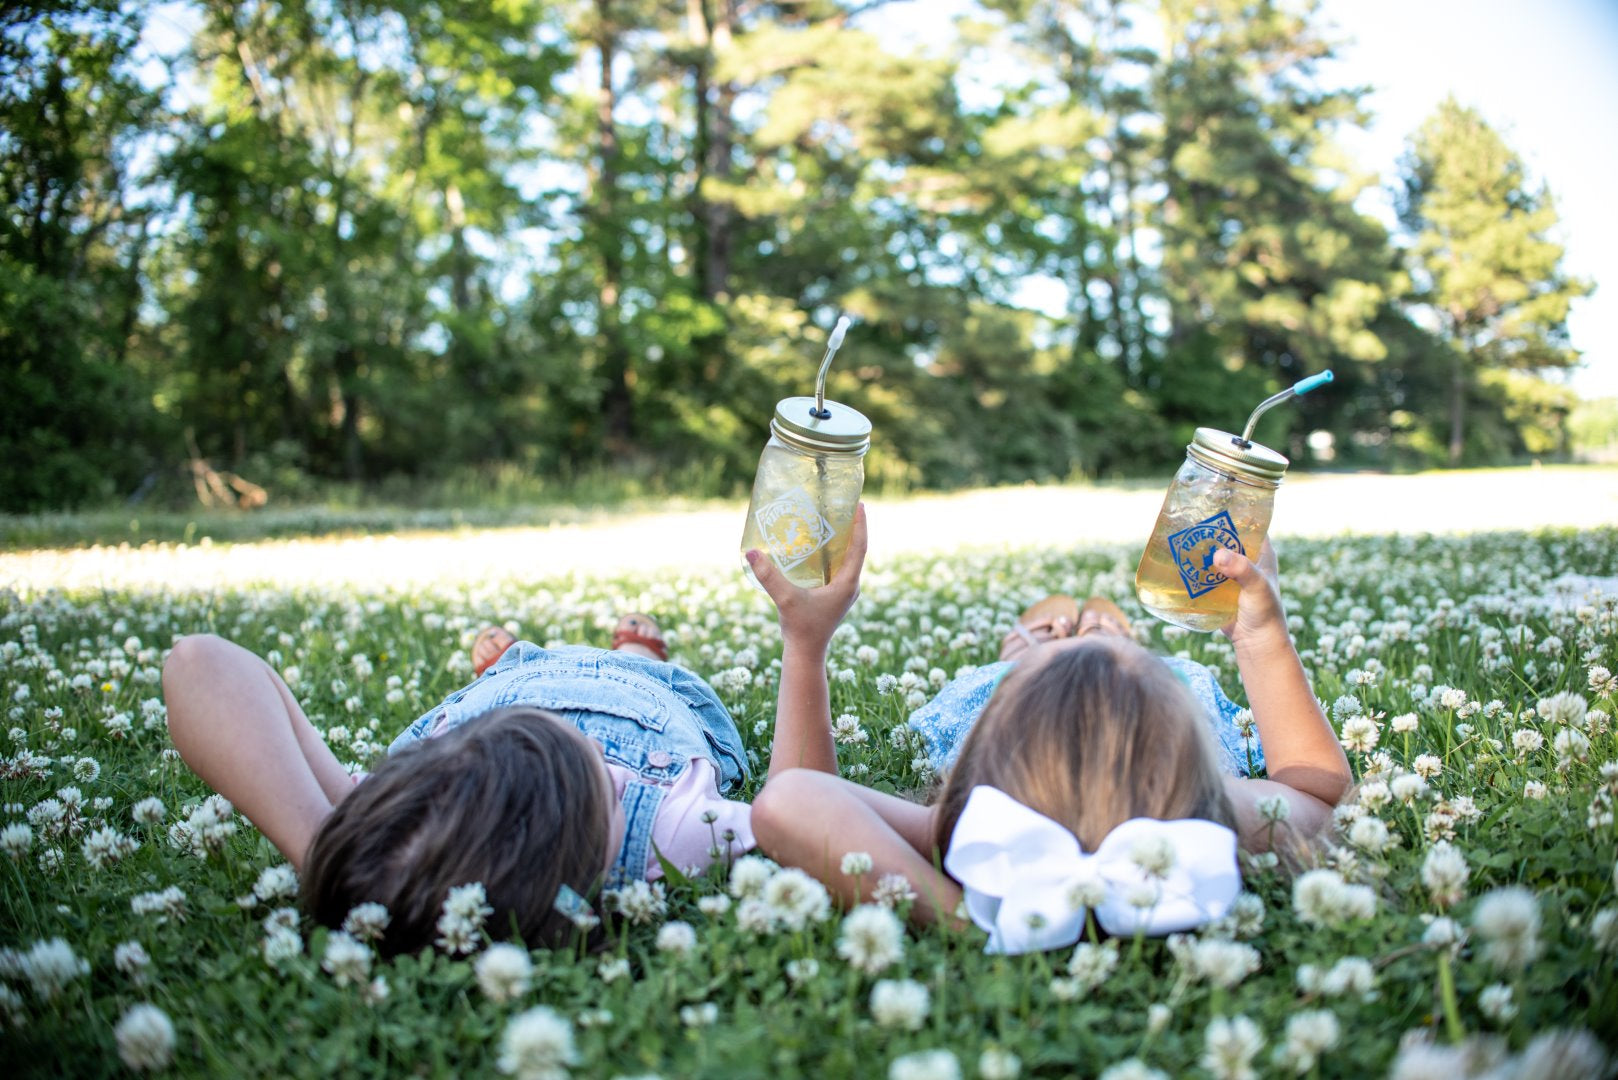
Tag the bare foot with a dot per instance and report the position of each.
(639, 635)
(1053, 617)
(490, 645)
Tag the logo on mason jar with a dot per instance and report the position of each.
(1193, 550)
(793, 528)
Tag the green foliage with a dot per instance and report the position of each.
(1469, 654)
(348, 242)
(1487, 265)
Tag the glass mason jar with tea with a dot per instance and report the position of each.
(1222, 497)
(808, 482)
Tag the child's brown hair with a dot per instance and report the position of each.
(1091, 735)
(515, 799)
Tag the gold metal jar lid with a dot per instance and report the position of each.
(842, 431)
(1225, 452)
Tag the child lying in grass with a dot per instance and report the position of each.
(1092, 779)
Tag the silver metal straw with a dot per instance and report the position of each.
(833, 343)
(1297, 389)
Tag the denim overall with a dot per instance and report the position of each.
(945, 720)
(650, 717)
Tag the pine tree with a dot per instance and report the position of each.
(1492, 275)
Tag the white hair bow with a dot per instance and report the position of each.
(1028, 882)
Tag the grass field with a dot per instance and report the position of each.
(1464, 917)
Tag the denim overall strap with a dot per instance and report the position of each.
(640, 802)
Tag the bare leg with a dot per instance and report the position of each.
(237, 725)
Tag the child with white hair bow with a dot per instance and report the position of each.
(1091, 785)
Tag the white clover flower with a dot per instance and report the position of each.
(1427, 766)
(276, 883)
(1444, 872)
(346, 959)
(892, 890)
(1604, 929)
(1308, 1035)
(612, 969)
(1407, 787)
(1087, 890)
(846, 730)
(145, 1038)
(871, 939)
(1322, 898)
(504, 972)
(749, 875)
(1443, 932)
(168, 904)
(714, 905)
(1274, 809)
(705, 1014)
(1566, 709)
(999, 1064)
(132, 960)
(16, 839)
(755, 917)
(641, 902)
(1158, 1016)
(1557, 1054)
(1370, 835)
(1132, 1069)
(1229, 1046)
(796, 898)
(900, 1003)
(537, 1045)
(1533, 789)
(367, 921)
(1359, 734)
(1404, 723)
(1570, 744)
(280, 945)
(926, 1065)
(1223, 963)
(1495, 1002)
(1526, 741)
(677, 938)
(1090, 965)
(107, 845)
(1349, 975)
(856, 863)
(1507, 920)
(49, 966)
(802, 970)
(1154, 855)
(149, 811)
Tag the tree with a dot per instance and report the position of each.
(1482, 251)
(1270, 272)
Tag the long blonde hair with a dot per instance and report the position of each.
(1090, 736)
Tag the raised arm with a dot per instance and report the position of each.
(1305, 763)
(239, 728)
(808, 619)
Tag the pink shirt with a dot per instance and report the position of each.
(679, 832)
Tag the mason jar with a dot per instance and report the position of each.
(1223, 496)
(807, 487)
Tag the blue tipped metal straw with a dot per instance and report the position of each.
(1297, 389)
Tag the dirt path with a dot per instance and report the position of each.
(1330, 505)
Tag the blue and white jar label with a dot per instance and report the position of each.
(1193, 549)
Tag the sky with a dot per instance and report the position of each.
(1544, 73)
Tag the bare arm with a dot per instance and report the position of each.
(1306, 765)
(808, 619)
(237, 725)
(811, 820)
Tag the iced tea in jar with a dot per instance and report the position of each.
(1222, 496)
(807, 488)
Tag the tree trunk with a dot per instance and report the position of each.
(1457, 407)
(711, 23)
(617, 404)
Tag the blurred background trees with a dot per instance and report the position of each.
(320, 240)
